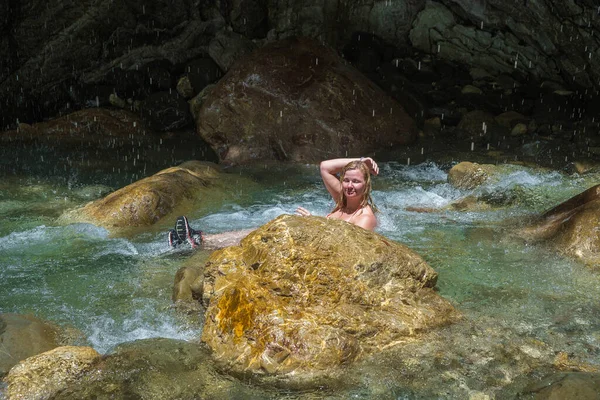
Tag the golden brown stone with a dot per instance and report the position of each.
(40, 376)
(564, 363)
(307, 294)
(571, 227)
(160, 197)
(468, 175)
(187, 286)
(146, 201)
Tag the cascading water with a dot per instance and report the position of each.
(518, 300)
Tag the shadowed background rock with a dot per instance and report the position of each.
(297, 100)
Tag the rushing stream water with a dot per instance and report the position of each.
(522, 304)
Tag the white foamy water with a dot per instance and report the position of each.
(106, 332)
(116, 290)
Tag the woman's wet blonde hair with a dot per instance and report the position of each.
(367, 200)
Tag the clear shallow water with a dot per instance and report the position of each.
(518, 300)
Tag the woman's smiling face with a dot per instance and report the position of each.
(353, 184)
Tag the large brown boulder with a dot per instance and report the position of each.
(161, 197)
(41, 376)
(571, 227)
(296, 100)
(304, 295)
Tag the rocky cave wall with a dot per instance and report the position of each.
(58, 56)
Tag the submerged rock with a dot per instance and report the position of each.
(41, 376)
(564, 386)
(468, 175)
(23, 336)
(301, 296)
(165, 369)
(571, 227)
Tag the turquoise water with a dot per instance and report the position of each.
(522, 304)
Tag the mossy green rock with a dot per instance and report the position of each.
(159, 368)
(304, 295)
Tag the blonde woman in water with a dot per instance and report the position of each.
(351, 191)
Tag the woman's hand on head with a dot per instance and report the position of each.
(303, 212)
(373, 167)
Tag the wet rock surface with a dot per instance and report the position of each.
(468, 175)
(304, 296)
(157, 369)
(571, 227)
(41, 376)
(23, 336)
(157, 199)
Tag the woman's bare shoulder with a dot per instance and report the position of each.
(366, 219)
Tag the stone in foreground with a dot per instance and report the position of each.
(40, 376)
(304, 295)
